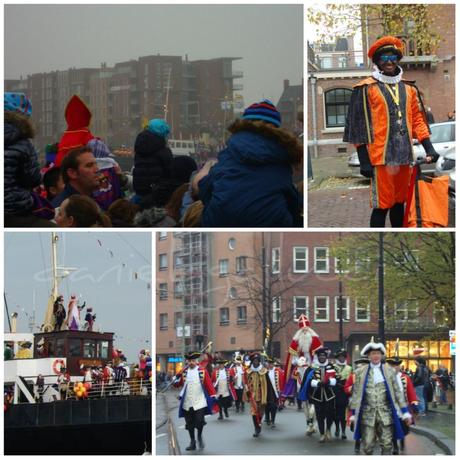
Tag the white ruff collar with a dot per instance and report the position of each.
(378, 75)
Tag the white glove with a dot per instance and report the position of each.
(407, 416)
(314, 383)
(332, 381)
(352, 418)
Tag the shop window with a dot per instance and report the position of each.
(336, 106)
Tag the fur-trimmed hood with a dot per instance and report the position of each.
(249, 152)
(17, 127)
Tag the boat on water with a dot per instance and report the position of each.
(43, 417)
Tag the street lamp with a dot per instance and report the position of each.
(381, 291)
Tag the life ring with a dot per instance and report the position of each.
(57, 362)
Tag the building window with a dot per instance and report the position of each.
(178, 289)
(232, 340)
(275, 260)
(322, 309)
(224, 316)
(326, 62)
(362, 311)
(163, 321)
(345, 308)
(89, 349)
(177, 320)
(241, 264)
(406, 311)
(321, 260)
(177, 259)
(162, 235)
(163, 288)
(276, 309)
(103, 349)
(75, 347)
(232, 244)
(163, 258)
(336, 105)
(300, 307)
(242, 315)
(300, 255)
(341, 266)
(232, 293)
(171, 344)
(223, 267)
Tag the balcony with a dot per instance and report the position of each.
(237, 74)
(338, 60)
(237, 87)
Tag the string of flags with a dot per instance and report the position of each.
(111, 254)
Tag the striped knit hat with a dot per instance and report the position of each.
(264, 110)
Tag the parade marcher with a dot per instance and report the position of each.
(319, 385)
(274, 385)
(222, 379)
(40, 383)
(410, 396)
(256, 390)
(89, 318)
(299, 373)
(238, 382)
(197, 398)
(304, 343)
(377, 403)
(348, 388)
(343, 371)
(384, 115)
(259, 155)
(59, 313)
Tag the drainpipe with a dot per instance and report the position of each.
(314, 114)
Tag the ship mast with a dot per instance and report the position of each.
(54, 240)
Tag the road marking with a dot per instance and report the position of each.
(358, 187)
(161, 435)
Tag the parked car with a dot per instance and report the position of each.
(442, 138)
(446, 166)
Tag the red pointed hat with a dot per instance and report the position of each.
(303, 321)
(78, 117)
(392, 43)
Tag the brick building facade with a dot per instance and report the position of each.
(207, 282)
(329, 88)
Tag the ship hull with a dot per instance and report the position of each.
(112, 426)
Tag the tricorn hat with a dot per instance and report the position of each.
(394, 360)
(220, 361)
(371, 346)
(192, 355)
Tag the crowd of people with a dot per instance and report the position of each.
(375, 398)
(80, 184)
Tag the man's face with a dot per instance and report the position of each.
(221, 366)
(375, 356)
(341, 359)
(322, 357)
(256, 362)
(388, 62)
(192, 363)
(86, 175)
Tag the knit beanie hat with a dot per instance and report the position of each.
(264, 110)
(17, 102)
(182, 168)
(159, 127)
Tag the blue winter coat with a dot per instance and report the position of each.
(251, 185)
(21, 166)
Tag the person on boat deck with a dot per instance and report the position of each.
(80, 173)
(73, 315)
(59, 313)
(384, 115)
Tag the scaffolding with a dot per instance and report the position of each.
(193, 311)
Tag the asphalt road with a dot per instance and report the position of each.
(233, 436)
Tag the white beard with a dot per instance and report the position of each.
(304, 338)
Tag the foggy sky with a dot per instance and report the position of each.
(122, 304)
(40, 38)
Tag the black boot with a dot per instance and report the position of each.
(220, 414)
(200, 438)
(395, 447)
(402, 445)
(257, 428)
(357, 446)
(226, 412)
(192, 445)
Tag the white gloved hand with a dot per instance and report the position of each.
(332, 381)
(352, 418)
(314, 383)
(407, 416)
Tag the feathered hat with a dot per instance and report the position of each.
(371, 346)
